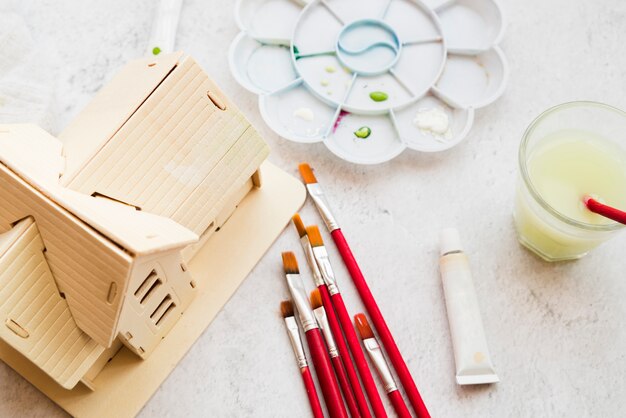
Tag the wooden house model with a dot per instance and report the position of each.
(96, 227)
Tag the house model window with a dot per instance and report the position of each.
(96, 226)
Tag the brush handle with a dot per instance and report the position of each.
(359, 357)
(316, 408)
(380, 325)
(606, 211)
(325, 375)
(398, 404)
(344, 353)
(345, 387)
(164, 27)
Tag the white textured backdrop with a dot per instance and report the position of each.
(556, 332)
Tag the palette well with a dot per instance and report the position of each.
(370, 78)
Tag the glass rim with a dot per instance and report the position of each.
(613, 226)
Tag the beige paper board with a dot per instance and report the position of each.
(218, 268)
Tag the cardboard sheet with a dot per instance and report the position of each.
(127, 382)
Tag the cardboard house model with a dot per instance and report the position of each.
(96, 227)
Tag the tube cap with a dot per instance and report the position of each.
(449, 241)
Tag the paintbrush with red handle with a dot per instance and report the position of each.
(594, 204)
(286, 308)
(322, 320)
(319, 355)
(323, 262)
(335, 328)
(377, 358)
(389, 344)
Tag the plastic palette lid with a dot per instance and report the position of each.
(370, 78)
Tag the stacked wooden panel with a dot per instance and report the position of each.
(37, 320)
(180, 155)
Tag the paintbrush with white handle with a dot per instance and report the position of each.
(164, 27)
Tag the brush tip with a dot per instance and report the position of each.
(315, 236)
(316, 299)
(297, 221)
(363, 326)
(286, 308)
(290, 263)
(307, 173)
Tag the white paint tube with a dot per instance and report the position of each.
(471, 355)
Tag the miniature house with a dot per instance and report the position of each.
(96, 227)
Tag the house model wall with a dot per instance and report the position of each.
(96, 228)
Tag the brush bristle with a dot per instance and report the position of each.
(290, 263)
(307, 173)
(286, 308)
(363, 326)
(297, 221)
(315, 237)
(316, 299)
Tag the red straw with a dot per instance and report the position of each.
(604, 210)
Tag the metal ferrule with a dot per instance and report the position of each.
(317, 194)
(296, 341)
(298, 294)
(310, 259)
(376, 355)
(323, 262)
(322, 321)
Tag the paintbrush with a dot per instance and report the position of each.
(323, 262)
(333, 322)
(319, 198)
(164, 27)
(286, 308)
(322, 320)
(377, 358)
(319, 355)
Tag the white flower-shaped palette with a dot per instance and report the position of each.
(370, 78)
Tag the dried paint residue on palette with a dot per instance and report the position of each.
(370, 78)
(364, 139)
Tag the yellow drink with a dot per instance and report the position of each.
(571, 165)
(559, 166)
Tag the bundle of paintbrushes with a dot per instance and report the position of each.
(319, 354)
(343, 372)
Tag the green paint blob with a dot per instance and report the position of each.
(156, 50)
(379, 96)
(296, 52)
(363, 132)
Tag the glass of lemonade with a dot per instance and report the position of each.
(569, 151)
